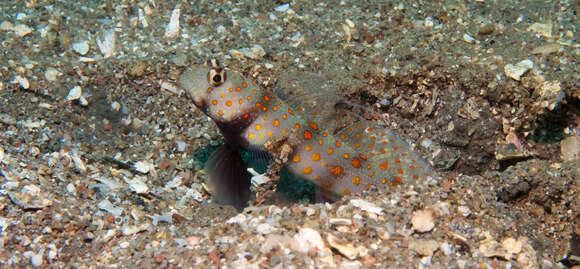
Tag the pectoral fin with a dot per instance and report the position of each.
(228, 177)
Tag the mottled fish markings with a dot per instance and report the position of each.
(340, 159)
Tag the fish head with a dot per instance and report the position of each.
(220, 93)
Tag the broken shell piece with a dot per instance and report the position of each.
(137, 185)
(258, 179)
(106, 205)
(366, 206)
(346, 249)
(22, 81)
(422, 221)
(142, 167)
(81, 47)
(172, 29)
(518, 70)
(107, 45)
(30, 198)
(75, 93)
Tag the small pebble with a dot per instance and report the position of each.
(81, 47)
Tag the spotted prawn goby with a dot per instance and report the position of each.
(339, 158)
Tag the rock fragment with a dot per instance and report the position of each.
(422, 221)
(518, 70)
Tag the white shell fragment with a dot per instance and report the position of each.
(106, 205)
(21, 30)
(518, 70)
(81, 47)
(75, 93)
(52, 74)
(422, 221)
(142, 167)
(366, 206)
(172, 29)
(22, 81)
(107, 45)
(137, 185)
(257, 178)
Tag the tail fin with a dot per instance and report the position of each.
(228, 177)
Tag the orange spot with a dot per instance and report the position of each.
(330, 150)
(413, 161)
(238, 89)
(269, 133)
(290, 111)
(355, 162)
(313, 125)
(345, 155)
(209, 90)
(222, 95)
(284, 131)
(412, 166)
(395, 148)
(346, 192)
(355, 180)
(415, 177)
(384, 142)
(258, 127)
(357, 136)
(251, 136)
(231, 89)
(337, 143)
(322, 164)
(307, 135)
(324, 134)
(296, 126)
(359, 124)
(308, 148)
(383, 151)
(400, 171)
(336, 170)
(266, 98)
(315, 157)
(326, 183)
(275, 108)
(371, 155)
(264, 108)
(214, 102)
(281, 104)
(383, 166)
(306, 170)
(373, 137)
(342, 136)
(356, 144)
(276, 122)
(220, 112)
(397, 160)
(317, 177)
(255, 92)
(249, 98)
(384, 180)
(405, 154)
(319, 141)
(348, 129)
(398, 179)
(362, 156)
(284, 116)
(258, 104)
(371, 174)
(244, 85)
(296, 158)
(246, 116)
(391, 184)
(371, 146)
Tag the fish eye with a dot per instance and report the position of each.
(216, 76)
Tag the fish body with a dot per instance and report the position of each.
(339, 158)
